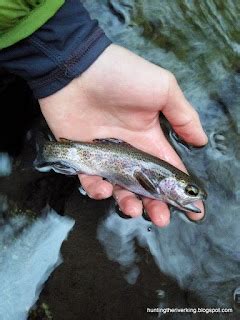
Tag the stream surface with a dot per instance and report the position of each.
(133, 265)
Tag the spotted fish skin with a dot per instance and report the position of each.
(122, 164)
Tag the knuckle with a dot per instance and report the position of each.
(192, 119)
(172, 79)
(192, 116)
(172, 83)
(195, 114)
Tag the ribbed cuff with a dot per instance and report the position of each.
(75, 64)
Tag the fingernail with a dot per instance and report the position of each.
(198, 221)
(100, 196)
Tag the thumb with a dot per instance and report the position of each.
(182, 116)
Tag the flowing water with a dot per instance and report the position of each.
(200, 43)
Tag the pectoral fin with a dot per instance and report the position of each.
(144, 181)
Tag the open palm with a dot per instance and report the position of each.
(120, 96)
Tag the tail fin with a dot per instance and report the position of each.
(40, 163)
(32, 152)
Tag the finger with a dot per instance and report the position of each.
(96, 187)
(128, 202)
(182, 116)
(197, 216)
(158, 212)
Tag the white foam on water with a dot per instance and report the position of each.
(28, 255)
(5, 164)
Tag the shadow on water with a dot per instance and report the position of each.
(18, 111)
(115, 268)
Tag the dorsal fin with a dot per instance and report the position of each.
(64, 140)
(111, 140)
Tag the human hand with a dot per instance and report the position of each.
(120, 96)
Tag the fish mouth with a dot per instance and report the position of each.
(188, 207)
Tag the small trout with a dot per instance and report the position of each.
(122, 164)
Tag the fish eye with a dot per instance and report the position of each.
(191, 190)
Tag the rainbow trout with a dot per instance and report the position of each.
(121, 163)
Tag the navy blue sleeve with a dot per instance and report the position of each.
(59, 51)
